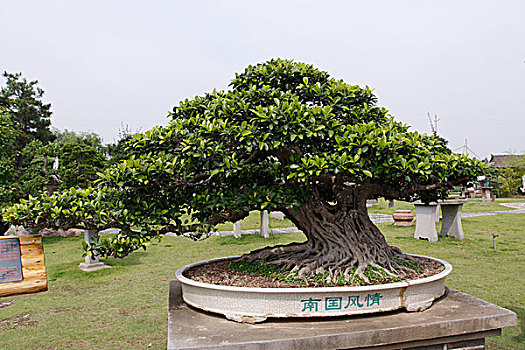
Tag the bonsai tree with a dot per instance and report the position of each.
(285, 137)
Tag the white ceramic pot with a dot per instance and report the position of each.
(250, 305)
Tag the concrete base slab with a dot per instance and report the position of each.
(88, 267)
(456, 321)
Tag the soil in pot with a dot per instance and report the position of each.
(234, 272)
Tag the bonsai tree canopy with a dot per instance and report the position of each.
(286, 136)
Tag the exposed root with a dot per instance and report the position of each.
(300, 261)
(342, 247)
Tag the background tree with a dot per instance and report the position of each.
(80, 164)
(285, 137)
(80, 157)
(8, 156)
(23, 101)
(25, 119)
(35, 169)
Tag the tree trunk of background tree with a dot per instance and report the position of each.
(4, 226)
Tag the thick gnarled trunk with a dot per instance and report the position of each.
(341, 240)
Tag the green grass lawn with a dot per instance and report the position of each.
(126, 306)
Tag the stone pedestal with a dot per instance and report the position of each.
(426, 221)
(265, 224)
(451, 226)
(91, 264)
(456, 321)
(237, 229)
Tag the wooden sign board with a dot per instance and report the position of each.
(22, 268)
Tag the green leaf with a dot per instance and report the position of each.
(367, 173)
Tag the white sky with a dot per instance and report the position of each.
(107, 63)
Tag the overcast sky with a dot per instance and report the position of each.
(107, 63)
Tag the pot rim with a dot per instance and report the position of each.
(184, 280)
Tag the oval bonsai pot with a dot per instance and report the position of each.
(250, 305)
